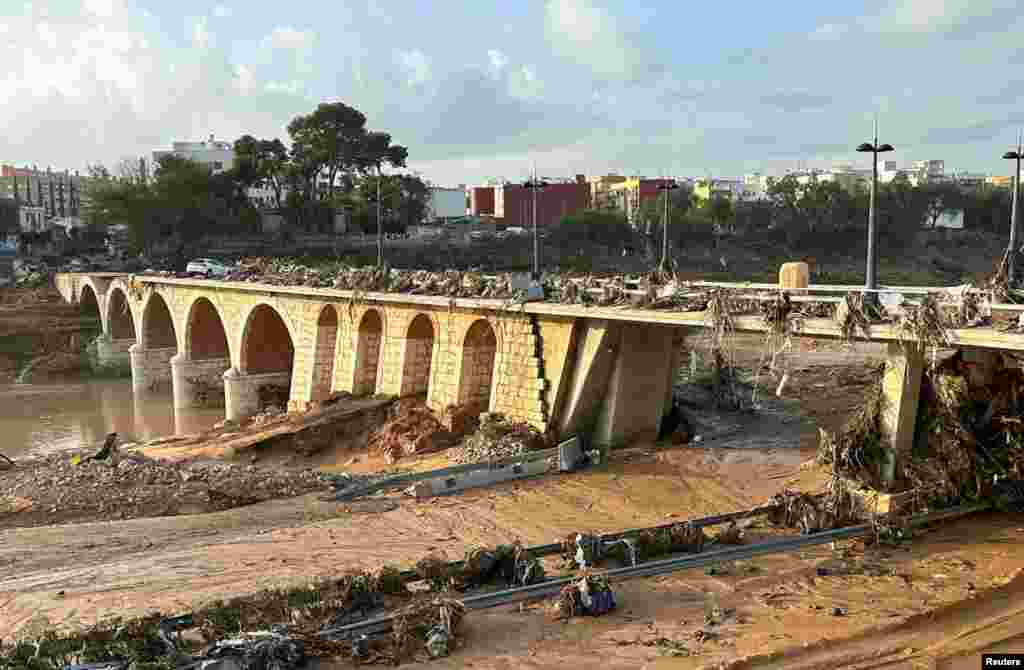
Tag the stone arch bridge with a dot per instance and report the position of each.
(607, 372)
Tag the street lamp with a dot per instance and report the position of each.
(371, 198)
(665, 186)
(535, 185)
(1014, 155)
(871, 280)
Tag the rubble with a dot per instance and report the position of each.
(138, 486)
(411, 429)
(498, 438)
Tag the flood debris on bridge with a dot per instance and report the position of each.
(968, 430)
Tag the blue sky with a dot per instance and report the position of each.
(479, 90)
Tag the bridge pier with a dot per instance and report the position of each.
(638, 392)
(111, 352)
(901, 391)
(151, 368)
(186, 372)
(241, 391)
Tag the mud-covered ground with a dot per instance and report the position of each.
(934, 602)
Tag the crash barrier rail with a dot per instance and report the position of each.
(612, 538)
(398, 481)
(659, 567)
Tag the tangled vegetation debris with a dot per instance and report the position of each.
(856, 451)
(498, 437)
(589, 595)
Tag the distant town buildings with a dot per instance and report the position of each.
(219, 156)
(446, 203)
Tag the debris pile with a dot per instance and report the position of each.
(813, 514)
(433, 624)
(498, 437)
(411, 428)
(276, 629)
(585, 550)
(589, 595)
(61, 491)
(968, 430)
(507, 564)
(273, 395)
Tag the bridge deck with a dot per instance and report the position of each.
(984, 337)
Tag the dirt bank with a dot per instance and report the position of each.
(37, 325)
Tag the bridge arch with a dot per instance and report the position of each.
(324, 353)
(417, 358)
(476, 371)
(267, 344)
(205, 335)
(120, 320)
(369, 346)
(89, 303)
(158, 331)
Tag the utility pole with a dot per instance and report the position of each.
(1012, 251)
(535, 185)
(666, 186)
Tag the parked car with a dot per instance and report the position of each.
(209, 267)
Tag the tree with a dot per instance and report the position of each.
(328, 141)
(938, 198)
(589, 227)
(720, 210)
(261, 162)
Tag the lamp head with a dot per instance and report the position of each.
(866, 148)
(885, 147)
(1011, 155)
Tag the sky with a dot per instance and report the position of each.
(480, 90)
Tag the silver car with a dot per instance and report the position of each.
(209, 267)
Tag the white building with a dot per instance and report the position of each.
(219, 156)
(32, 219)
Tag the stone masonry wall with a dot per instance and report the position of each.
(416, 366)
(323, 361)
(151, 368)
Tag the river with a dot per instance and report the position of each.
(38, 419)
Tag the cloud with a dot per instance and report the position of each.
(287, 37)
(497, 59)
(293, 87)
(980, 131)
(415, 65)
(796, 100)
(98, 85)
(200, 34)
(829, 32)
(943, 16)
(590, 36)
(222, 11)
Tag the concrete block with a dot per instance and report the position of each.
(570, 455)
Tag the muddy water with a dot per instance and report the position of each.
(38, 419)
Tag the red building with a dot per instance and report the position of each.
(513, 203)
(481, 200)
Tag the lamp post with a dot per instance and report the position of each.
(1012, 253)
(666, 186)
(535, 185)
(871, 279)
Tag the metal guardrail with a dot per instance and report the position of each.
(399, 481)
(661, 567)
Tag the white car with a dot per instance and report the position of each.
(210, 267)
